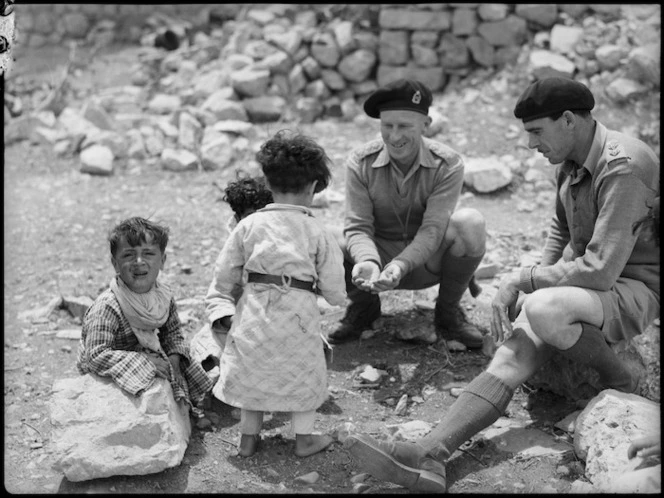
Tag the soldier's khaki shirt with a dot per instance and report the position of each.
(383, 203)
(590, 242)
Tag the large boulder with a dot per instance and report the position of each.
(99, 430)
(603, 433)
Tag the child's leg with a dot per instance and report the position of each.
(250, 425)
(306, 443)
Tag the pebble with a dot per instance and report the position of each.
(310, 478)
(402, 405)
(360, 488)
(456, 391)
(359, 478)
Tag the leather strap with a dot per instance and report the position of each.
(285, 280)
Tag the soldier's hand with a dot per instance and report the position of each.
(364, 274)
(503, 308)
(388, 279)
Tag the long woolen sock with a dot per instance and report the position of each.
(592, 349)
(455, 275)
(477, 407)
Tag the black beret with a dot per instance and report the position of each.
(401, 95)
(552, 96)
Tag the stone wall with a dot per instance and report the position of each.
(353, 44)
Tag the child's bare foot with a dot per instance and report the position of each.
(308, 444)
(248, 444)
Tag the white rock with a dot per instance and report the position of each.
(250, 82)
(77, 305)
(610, 57)
(309, 478)
(563, 38)
(606, 428)
(225, 108)
(99, 431)
(164, 104)
(178, 160)
(97, 160)
(73, 334)
(190, 131)
(410, 431)
(217, 153)
(544, 63)
(74, 123)
(371, 375)
(621, 90)
(486, 174)
(402, 405)
(233, 126)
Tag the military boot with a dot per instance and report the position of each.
(451, 323)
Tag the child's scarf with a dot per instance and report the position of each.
(145, 312)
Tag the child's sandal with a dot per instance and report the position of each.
(248, 444)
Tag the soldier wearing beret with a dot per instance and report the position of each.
(597, 283)
(401, 228)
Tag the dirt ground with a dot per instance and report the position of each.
(56, 220)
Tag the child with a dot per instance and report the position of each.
(120, 337)
(282, 256)
(244, 196)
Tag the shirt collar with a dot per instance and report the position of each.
(273, 206)
(595, 152)
(425, 157)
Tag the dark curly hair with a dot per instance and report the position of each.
(136, 231)
(291, 161)
(247, 194)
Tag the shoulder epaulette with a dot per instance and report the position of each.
(443, 151)
(369, 148)
(615, 151)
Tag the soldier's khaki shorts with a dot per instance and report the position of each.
(629, 308)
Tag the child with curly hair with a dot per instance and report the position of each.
(283, 258)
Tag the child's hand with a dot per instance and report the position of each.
(161, 366)
(645, 447)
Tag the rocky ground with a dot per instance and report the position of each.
(56, 220)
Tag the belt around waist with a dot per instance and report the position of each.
(285, 280)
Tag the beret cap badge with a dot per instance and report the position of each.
(417, 97)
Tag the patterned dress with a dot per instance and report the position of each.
(273, 359)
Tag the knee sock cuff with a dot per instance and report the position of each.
(490, 388)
